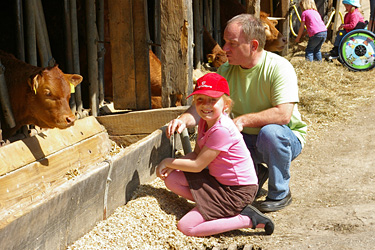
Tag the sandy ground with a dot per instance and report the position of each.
(333, 189)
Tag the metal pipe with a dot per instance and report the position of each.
(184, 136)
(92, 53)
(51, 60)
(30, 34)
(68, 50)
(42, 47)
(4, 99)
(20, 34)
(101, 51)
(75, 50)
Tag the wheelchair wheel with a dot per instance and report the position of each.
(357, 50)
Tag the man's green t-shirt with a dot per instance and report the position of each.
(271, 82)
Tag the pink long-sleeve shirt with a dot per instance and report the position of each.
(351, 19)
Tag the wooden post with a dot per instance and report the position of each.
(130, 65)
(253, 7)
(336, 22)
(284, 24)
(198, 29)
(176, 45)
(141, 53)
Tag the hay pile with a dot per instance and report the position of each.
(328, 92)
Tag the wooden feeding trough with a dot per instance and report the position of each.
(54, 187)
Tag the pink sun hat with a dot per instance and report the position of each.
(211, 84)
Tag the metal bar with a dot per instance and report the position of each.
(31, 52)
(186, 145)
(51, 61)
(42, 47)
(20, 34)
(75, 51)
(69, 50)
(4, 99)
(101, 51)
(92, 53)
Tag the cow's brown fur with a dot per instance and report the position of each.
(38, 96)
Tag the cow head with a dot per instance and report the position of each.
(217, 57)
(49, 102)
(275, 41)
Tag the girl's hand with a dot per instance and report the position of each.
(163, 171)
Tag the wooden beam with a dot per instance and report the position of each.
(35, 181)
(141, 55)
(139, 122)
(123, 54)
(37, 148)
(176, 23)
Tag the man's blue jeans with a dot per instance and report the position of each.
(312, 52)
(276, 146)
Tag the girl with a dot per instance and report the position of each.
(225, 189)
(316, 30)
(353, 19)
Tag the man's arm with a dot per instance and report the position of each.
(279, 114)
(189, 118)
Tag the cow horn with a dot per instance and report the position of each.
(275, 18)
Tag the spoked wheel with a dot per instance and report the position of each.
(357, 50)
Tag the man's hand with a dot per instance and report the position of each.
(176, 125)
(238, 123)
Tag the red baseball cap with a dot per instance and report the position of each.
(211, 84)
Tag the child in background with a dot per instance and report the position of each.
(353, 19)
(316, 30)
(225, 189)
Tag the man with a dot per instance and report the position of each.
(264, 88)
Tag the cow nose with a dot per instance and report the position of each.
(70, 119)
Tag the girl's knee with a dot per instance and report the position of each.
(186, 229)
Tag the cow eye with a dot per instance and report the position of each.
(47, 92)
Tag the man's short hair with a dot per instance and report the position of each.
(252, 27)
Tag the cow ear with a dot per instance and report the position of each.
(74, 79)
(34, 83)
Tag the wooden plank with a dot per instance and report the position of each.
(139, 122)
(127, 140)
(122, 46)
(35, 181)
(141, 55)
(23, 152)
(176, 20)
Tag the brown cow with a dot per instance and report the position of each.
(38, 96)
(155, 81)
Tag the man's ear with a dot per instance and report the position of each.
(254, 45)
